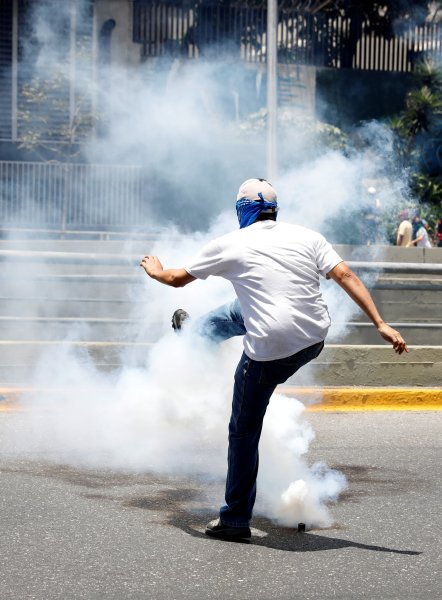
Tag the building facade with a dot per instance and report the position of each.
(85, 36)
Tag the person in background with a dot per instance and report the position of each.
(405, 230)
(415, 224)
(422, 240)
(438, 233)
(372, 217)
(275, 268)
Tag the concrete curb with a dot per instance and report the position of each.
(327, 399)
(349, 399)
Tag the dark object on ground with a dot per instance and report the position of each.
(178, 318)
(219, 530)
(301, 527)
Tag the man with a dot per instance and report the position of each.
(415, 223)
(405, 230)
(438, 234)
(274, 269)
(422, 240)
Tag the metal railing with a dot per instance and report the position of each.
(70, 196)
(192, 30)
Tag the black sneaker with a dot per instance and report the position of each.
(178, 318)
(219, 529)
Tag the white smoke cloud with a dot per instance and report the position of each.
(171, 417)
(292, 492)
(170, 414)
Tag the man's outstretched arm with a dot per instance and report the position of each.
(357, 291)
(173, 277)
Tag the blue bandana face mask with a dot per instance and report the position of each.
(249, 210)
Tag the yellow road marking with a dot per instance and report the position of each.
(315, 399)
(366, 399)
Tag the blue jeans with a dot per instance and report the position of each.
(254, 385)
(222, 323)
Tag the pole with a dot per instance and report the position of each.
(272, 82)
(95, 58)
(14, 88)
(72, 70)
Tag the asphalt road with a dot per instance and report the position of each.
(69, 533)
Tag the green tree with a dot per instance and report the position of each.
(419, 138)
(57, 110)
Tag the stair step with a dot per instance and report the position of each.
(372, 365)
(341, 365)
(115, 329)
(417, 334)
(74, 308)
(94, 290)
(87, 329)
(119, 286)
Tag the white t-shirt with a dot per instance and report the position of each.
(274, 268)
(424, 242)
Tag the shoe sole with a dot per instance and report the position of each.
(178, 318)
(229, 534)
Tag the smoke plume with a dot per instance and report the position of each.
(170, 414)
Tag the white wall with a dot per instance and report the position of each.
(123, 50)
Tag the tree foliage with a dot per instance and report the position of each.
(57, 111)
(419, 137)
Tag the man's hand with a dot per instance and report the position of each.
(172, 277)
(394, 337)
(152, 265)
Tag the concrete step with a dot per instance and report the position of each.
(98, 329)
(338, 365)
(31, 269)
(70, 308)
(83, 298)
(132, 283)
(389, 254)
(97, 290)
(118, 286)
(420, 294)
(403, 310)
(71, 264)
(133, 245)
(417, 334)
(130, 253)
(126, 246)
(398, 306)
(114, 329)
(357, 365)
(400, 300)
(21, 360)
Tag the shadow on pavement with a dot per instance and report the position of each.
(264, 532)
(170, 501)
(281, 538)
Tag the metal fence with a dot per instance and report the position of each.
(71, 196)
(399, 53)
(195, 30)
